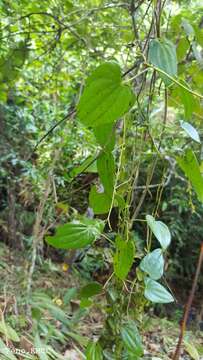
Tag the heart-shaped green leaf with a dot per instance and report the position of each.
(105, 99)
(153, 264)
(162, 54)
(160, 231)
(76, 235)
(156, 293)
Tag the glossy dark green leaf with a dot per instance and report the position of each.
(123, 258)
(94, 351)
(76, 235)
(90, 290)
(160, 231)
(153, 264)
(156, 293)
(106, 170)
(99, 202)
(189, 164)
(132, 339)
(105, 99)
(162, 54)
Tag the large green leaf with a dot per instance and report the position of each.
(123, 258)
(160, 230)
(106, 170)
(132, 340)
(162, 54)
(105, 99)
(153, 264)
(156, 293)
(76, 235)
(94, 351)
(190, 166)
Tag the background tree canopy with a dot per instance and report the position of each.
(101, 169)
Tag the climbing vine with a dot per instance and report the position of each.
(117, 106)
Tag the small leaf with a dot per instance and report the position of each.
(190, 130)
(131, 339)
(99, 202)
(90, 290)
(191, 350)
(123, 258)
(182, 48)
(94, 351)
(162, 54)
(105, 99)
(197, 53)
(76, 235)
(153, 264)
(160, 231)
(188, 28)
(189, 164)
(156, 293)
